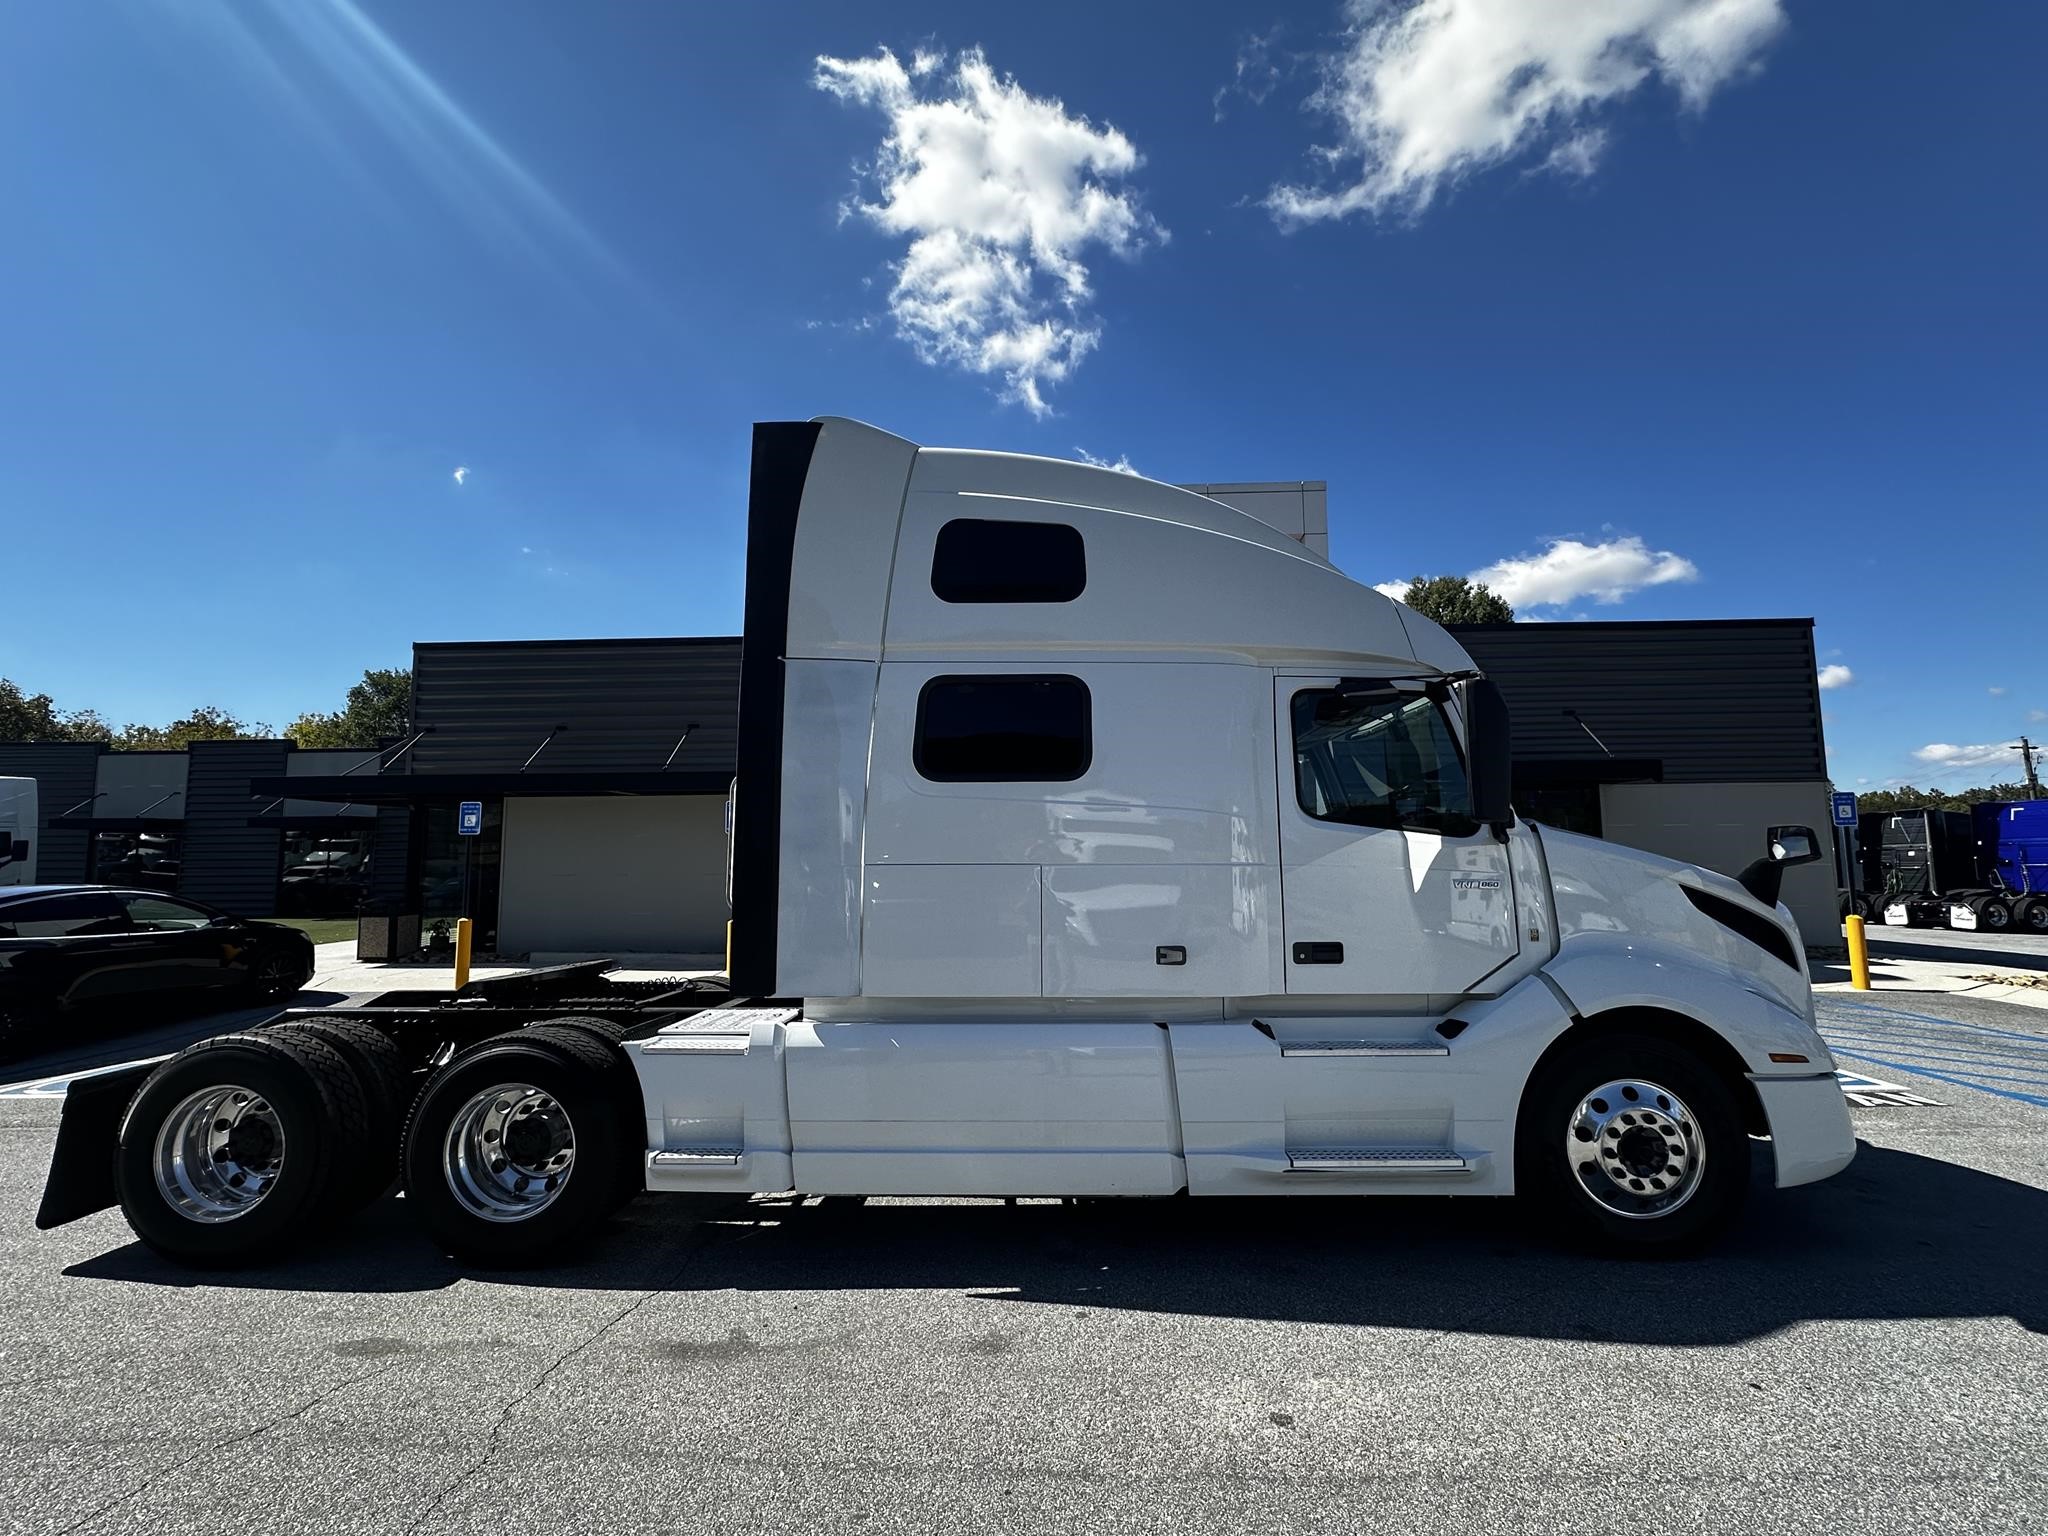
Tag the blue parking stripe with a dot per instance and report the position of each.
(2018, 1071)
(1871, 1012)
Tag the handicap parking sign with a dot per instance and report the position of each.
(1845, 810)
(469, 818)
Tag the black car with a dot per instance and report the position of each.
(73, 949)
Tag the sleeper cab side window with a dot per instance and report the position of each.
(1003, 729)
(988, 560)
(1379, 759)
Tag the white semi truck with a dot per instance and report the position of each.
(1090, 839)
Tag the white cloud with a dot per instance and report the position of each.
(1945, 758)
(526, 549)
(1424, 92)
(462, 474)
(1256, 73)
(1001, 194)
(1836, 676)
(1122, 464)
(1995, 691)
(1569, 569)
(2037, 716)
(1397, 590)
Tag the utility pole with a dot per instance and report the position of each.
(2026, 752)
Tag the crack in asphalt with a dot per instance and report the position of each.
(469, 1473)
(129, 1495)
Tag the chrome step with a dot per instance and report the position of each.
(703, 1045)
(1378, 1160)
(707, 1157)
(1363, 1048)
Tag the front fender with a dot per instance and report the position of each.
(1599, 975)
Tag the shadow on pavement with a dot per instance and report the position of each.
(1990, 952)
(1896, 1236)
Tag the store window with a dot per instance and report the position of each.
(326, 874)
(150, 860)
(458, 876)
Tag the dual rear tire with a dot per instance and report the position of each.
(232, 1148)
(521, 1146)
(239, 1146)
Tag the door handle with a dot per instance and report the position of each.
(1319, 953)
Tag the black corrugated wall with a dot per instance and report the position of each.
(622, 705)
(229, 863)
(1727, 701)
(66, 773)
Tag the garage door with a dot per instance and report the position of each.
(614, 874)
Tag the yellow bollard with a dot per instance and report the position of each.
(1859, 954)
(462, 942)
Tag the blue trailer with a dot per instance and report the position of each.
(2012, 858)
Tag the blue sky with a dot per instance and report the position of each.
(1652, 308)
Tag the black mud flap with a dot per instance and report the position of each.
(82, 1170)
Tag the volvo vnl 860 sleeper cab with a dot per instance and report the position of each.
(1089, 838)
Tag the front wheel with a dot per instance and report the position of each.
(1633, 1145)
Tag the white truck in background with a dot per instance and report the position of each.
(1089, 838)
(19, 831)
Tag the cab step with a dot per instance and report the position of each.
(1364, 1048)
(1373, 1160)
(702, 1157)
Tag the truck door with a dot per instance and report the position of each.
(1388, 886)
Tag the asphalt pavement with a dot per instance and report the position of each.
(1862, 1355)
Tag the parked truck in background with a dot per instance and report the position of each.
(1980, 870)
(19, 831)
(1090, 838)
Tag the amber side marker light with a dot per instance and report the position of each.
(1785, 1056)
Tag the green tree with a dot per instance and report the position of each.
(206, 723)
(1907, 797)
(1457, 600)
(379, 706)
(35, 717)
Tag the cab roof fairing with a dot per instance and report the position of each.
(1171, 574)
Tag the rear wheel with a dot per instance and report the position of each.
(1633, 1145)
(371, 1167)
(514, 1149)
(231, 1149)
(1993, 915)
(2032, 914)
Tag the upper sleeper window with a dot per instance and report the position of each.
(983, 560)
(1003, 729)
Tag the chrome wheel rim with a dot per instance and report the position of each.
(509, 1152)
(219, 1154)
(1635, 1149)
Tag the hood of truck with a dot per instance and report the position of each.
(1605, 889)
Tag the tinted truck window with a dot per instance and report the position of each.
(986, 560)
(979, 730)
